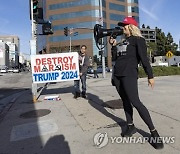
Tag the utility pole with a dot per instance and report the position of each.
(33, 44)
(101, 22)
(36, 17)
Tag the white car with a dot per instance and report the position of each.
(15, 70)
(10, 70)
(3, 70)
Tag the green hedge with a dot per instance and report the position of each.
(161, 71)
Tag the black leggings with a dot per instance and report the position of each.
(128, 91)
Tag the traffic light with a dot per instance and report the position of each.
(35, 7)
(37, 11)
(47, 29)
(66, 31)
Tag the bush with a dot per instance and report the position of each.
(161, 71)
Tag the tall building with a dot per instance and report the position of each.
(14, 47)
(81, 16)
(12, 39)
(13, 55)
(4, 54)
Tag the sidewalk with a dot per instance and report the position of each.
(69, 125)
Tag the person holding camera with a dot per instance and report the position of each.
(127, 54)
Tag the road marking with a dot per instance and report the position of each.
(29, 130)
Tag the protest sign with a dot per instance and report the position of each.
(55, 67)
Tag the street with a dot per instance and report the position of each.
(11, 84)
(69, 125)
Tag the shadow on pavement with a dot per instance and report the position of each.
(113, 104)
(56, 145)
(100, 105)
(59, 90)
(23, 131)
(145, 135)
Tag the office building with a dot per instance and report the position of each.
(80, 16)
(14, 47)
(4, 54)
(149, 34)
(12, 39)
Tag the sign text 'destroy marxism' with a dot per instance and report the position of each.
(54, 64)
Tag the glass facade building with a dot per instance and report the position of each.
(80, 16)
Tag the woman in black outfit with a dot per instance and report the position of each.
(127, 55)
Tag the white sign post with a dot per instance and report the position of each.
(55, 67)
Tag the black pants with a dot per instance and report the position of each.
(128, 90)
(77, 84)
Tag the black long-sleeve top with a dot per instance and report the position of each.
(134, 51)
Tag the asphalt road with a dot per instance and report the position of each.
(11, 83)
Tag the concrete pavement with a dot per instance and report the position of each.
(70, 125)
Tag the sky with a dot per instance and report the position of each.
(15, 20)
(164, 14)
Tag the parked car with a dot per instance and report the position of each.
(100, 69)
(10, 70)
(4, 70)
(90, 70)
(159, 64)
(15, 70)
(108, 69)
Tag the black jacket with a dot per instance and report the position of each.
(128, 55)
(83, 63)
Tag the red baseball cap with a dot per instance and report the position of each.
(127, 21)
